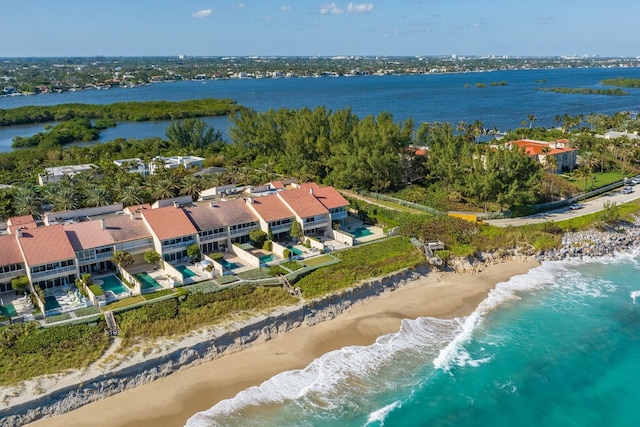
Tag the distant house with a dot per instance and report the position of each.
(566, 157)
(134, 165)
(612, 134)
(54, 175)
(174, 162)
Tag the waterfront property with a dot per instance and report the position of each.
(73, 243)
(565, 157)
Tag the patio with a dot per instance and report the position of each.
(21, 305)
(66, 299)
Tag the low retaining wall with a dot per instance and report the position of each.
(314, 312)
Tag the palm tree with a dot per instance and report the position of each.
(589, 160)
(160, 187)
(122, 258)
(584, 174)
(191, 185)
(26, 201)
(625, 151)
(65, 199)
(94, 195)
(131, 196)
(532, 118)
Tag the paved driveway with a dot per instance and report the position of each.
(591, 206)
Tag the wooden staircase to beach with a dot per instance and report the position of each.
(429, 248)
(112, 327)
(289, 287)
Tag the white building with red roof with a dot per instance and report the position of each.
(566, 157)
(274, 215)
(172, 231)
(312, 215)
(48, 255)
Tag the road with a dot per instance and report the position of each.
(588, 207)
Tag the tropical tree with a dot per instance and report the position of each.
(26, 201)
(193, 133)
(584, 174)
(193, 252)
(95, 195)
(625, 152)
(122, 258)
(258, 237)
(191, 185)
(532, 118)
(131, 195)
(296, 230)
(152, 257)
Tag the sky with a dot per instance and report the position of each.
(318, 28)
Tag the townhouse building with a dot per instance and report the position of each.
(56, 254)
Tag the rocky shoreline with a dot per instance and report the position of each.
(575, 245)
(314, 312)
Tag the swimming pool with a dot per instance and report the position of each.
(227, 265)
(113, 284)
(186, 272)
(267, 258)
(147, 281)
(361, 232)
(51, 303)
(8, 310)
(295, 250)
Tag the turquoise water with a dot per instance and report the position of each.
(295, 250)
(361, 232)
(147, 281)
(267, 258)
(559, 346)
(113, 284)
(228, 265)
(51, 303)
(186, 273)
(8, 310)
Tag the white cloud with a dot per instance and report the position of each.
(202, 13)
(285, 8)
(331, 9)
(241, 5)
(360, 8)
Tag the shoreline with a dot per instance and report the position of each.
(172, 399)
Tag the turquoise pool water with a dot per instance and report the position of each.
(51, 303)
(361, 232)
(267, 258)
(113, 284)
(147, 281)
(295, 250)
(186, 272)
(228, 265)
(8, 310)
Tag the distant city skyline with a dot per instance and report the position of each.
(318, 28)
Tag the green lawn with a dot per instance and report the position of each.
(320, 260)
(602, 179)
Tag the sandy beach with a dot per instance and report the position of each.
(171, 400)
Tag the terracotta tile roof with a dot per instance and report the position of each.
(21, 220)
(10, 252)
(203, 217)
(87, 235)
(45, 244)
(121, 228)
(303, 202)
(277, 185)
(535, 148)
(271, 208)
(169, 222)
(329, 197)
(137, 208)
(233, 212)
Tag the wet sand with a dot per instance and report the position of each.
(171, 400)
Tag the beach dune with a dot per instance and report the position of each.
(171, 400)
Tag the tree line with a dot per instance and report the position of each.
(120, 111)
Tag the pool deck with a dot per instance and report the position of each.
(22, 304)
(67, 298)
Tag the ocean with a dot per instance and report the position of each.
(559, 346)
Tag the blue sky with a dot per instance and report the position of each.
(318, 27)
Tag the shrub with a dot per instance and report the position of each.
(267, 245)
(216, 255)
(97, 290)
(286, 253)
(276, 270)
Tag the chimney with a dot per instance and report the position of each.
(249, 200)
(19, 231)
(103, 224)
(311, 190)
(176, 204)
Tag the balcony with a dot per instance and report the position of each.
(315, 224)
(53, 272)
(246, 230)
(178, 245)
(337, 216)
(281, 228)
(206, 238)
(12, 274)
